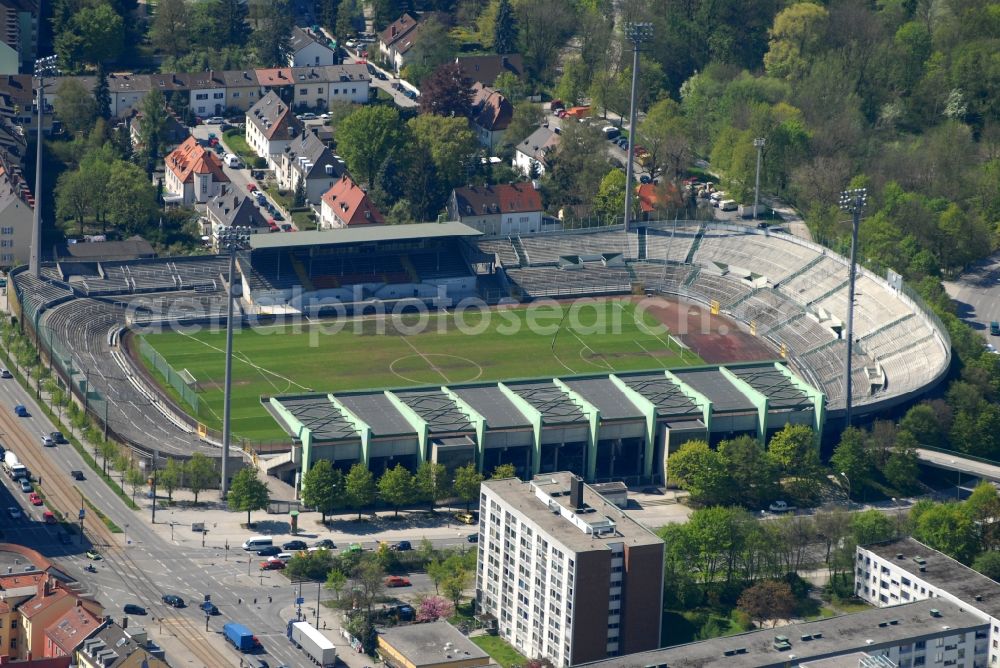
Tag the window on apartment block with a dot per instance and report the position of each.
(218, 96)
(6, 230)
(201, 96)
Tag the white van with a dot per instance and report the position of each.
(728, 205)
(233, 161)
(284, 556)
(254, 543)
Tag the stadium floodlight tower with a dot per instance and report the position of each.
(44, 67)
(233, 239)
(759, 145)
(852, 201)
(637, 34)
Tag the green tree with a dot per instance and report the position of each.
(170, 28)
(851, 459)
(702, 472)
(431, 482)
(902, 469)
(359, 485)
(577, 166)
(366, 136)
(446, 92)
(504, 29)
(247, 492)
(794, 449)
(108, 450)
(665, 134)
(988, 563)
(169, 477)
(946, 527)
(199, 473)
(323, 488)
(101, 31)
(871, 526)
(75, 106)
(346, 13)
(272, 32)
(609, 202)
(766, 600)
(466, 485)
(314, 565)
(336, 581)
(504, 471)
(396, 487)
(102, 93)
(73, 197)
(134, 478)
(751, 471)
(131, 198)
(434, 48)
(574, 81)
(450, 143)
(797, 31)
(152, 124)
(510, 86)
(925, 424)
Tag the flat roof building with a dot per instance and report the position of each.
(434, 645)
(568, 576)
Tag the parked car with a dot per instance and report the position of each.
(277, 214)
(251, 187)
(14, 512)
(26, 486)
(272, 565)
(355, 547)
(780, 507)
(397, 581)
(326, 544)
(173, 600)
(472, 538)
(308, 116)
(269, 551)
(286, 227)
(133, 609)
(324, 117)
(21, 411)
(410, 94)
(401, 546)
(35, 498)
(48, 441)
(93, 555)
(48, 517)
(294, 545)
(4, 373)
(215, 120)
(58, 437)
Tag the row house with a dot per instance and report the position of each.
(307, 159)
(319, 87)
(207, 91)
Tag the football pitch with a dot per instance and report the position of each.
(539, 340)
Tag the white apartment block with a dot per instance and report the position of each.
(568, 575)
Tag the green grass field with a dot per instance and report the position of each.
(434, 349)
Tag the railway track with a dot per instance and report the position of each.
(64, 496)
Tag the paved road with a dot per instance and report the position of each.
(953, 461)
(975, 293)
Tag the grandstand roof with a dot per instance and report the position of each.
(712, 383)
(602, 392)
(362, 235)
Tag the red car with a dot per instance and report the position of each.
(35, 498)
(272, 565)
(397, 581)
(48, 517)
(251, 187)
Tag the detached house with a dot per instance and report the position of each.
(193, 173)
(396, 40)
(305, 50)
(308, 159)
(532, 153)
(347, 205)
(234, 209)
(501, 209)
(491, 114)
(486, 69)
(271, 126)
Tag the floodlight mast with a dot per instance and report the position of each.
(637, 34)
(853, 201)
(233, 239)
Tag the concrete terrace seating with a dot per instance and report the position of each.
(723, 289)
(438, 265)
(665, 277)
(545, 249)
(802, 335)
(550, 281)
(666, 245)
(875, 306)
(269, 271)
(765, 307)
(502, 249)
(820, 279)
(765, 256)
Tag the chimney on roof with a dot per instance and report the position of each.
(576, 492)
(394, 31)
(503, 61)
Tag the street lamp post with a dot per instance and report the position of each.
(43, 67)
(233, 239)
(852, 201)
(637, 34)
(848, 488)
(759, 144)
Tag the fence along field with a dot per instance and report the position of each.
(594, 336)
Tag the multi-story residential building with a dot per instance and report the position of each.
(486, 69)
(233, 209)
(308, 159)
(16, 214)
(319, 87)
(113, 645)
(207, 91)
(896, 572)
(531, 155)
(68, 632)
(270, 127)
(514, 208)
(242, 89)
(308, 50)
(568, 575)
(127, 92)
(397, 39)
(18, 35)
(347, 205)
(193, 173)
(277, 80)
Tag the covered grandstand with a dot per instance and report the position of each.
(789, 293)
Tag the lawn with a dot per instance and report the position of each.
(587, 336)
(500, 650)
(236, 143)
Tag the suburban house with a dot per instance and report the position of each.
(208, 93)
(16, 214)
(233, 208)
(307, 158)
(174, 132)
(486, 69)
(193, 174)
(127, 92)
(242, 88)
(277, 80)
(347, 205)
(531, 154)
(319, 87)
(491, 114)
(68, 632)
(397, 39)
(271, 126)
(514, 208)
(304, 50)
